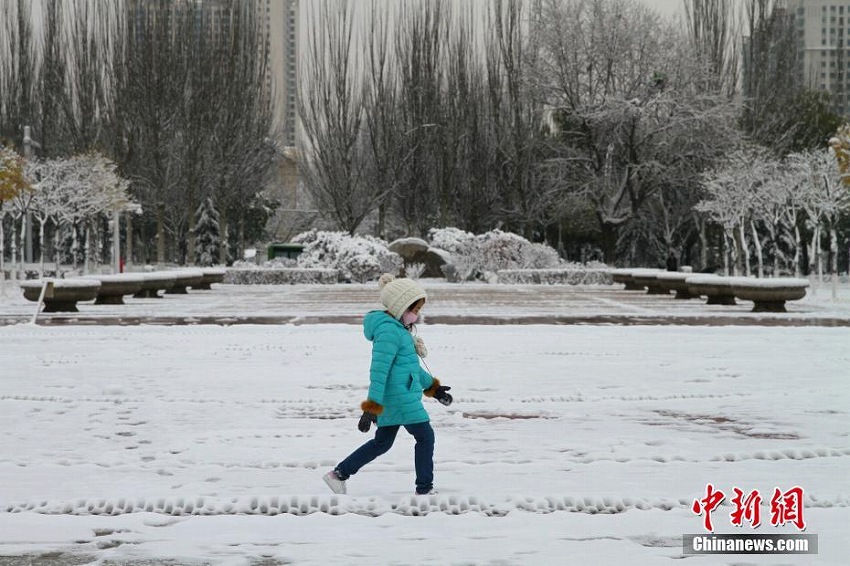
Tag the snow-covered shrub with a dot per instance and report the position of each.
(448, 239)
(567, 274)
(358, 258)
(503, 250)
(491, 252)
(286, 276)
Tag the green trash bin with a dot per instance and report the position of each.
(287, 251)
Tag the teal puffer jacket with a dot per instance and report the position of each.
(397, 381)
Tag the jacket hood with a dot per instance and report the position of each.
(374, 320)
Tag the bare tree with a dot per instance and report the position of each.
(712, 30)
(515, 119)
(630, 116)
(770, 75)
(331, 109)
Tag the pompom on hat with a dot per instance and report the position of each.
(399, 294)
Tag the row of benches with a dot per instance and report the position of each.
(62, 295)
(767, 295)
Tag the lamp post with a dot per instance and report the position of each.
(129, 210)
(29, 143)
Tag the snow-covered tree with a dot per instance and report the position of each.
(629, 113)
(207, 234)
(75, 193)
(825, 200)
(14, 186)
(731, 192)
(47, 200)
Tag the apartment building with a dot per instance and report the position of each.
(822, 28)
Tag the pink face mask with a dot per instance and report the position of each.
(409, 318)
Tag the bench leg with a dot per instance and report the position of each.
(148, 294)
(60, 306)
(769, 306)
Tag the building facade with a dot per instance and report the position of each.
(822, 28)
(283, 30)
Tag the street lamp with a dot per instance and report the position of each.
(29, 143)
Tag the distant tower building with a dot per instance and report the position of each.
(282, 18)
(283, 36)
(823, 33)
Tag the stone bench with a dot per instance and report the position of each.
(676, 281)
(185, 278)
(649, 278)
(114, 287)
(625, 277)
(211, 275)
(717, 289)
(154, 282)
(62, 295)
(769, 294)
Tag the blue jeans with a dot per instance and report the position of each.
(383, 441)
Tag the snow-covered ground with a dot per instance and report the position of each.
(201, 444)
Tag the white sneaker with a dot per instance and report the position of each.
(432, 492)
(337, 485)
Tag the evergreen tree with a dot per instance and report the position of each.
(207, 234)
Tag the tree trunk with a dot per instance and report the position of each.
(87, 250)
(190, 245)
(75, 245)
(23, 240)
(759, 254)
(833, 249)
(128, 250)
(818, 256)
(41, 246)
(798, 244)
(240, 252)
(160, 234)
(56, 258)
(745, 250)
(609, 243)
(222, 249)
(703, 244)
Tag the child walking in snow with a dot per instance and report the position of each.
(397, 383)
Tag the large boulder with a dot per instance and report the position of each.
(416, 250)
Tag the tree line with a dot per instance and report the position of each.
(588, 124)
(176, 94)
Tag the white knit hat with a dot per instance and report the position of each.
(398, 294)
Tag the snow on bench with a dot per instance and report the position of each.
(153, 282)
(676, 281)
(61, 295)
(769, 295)
(211, 275)
(185, 278)
(717, 289)
(649, 278)
(625, 277)
(114, 287)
